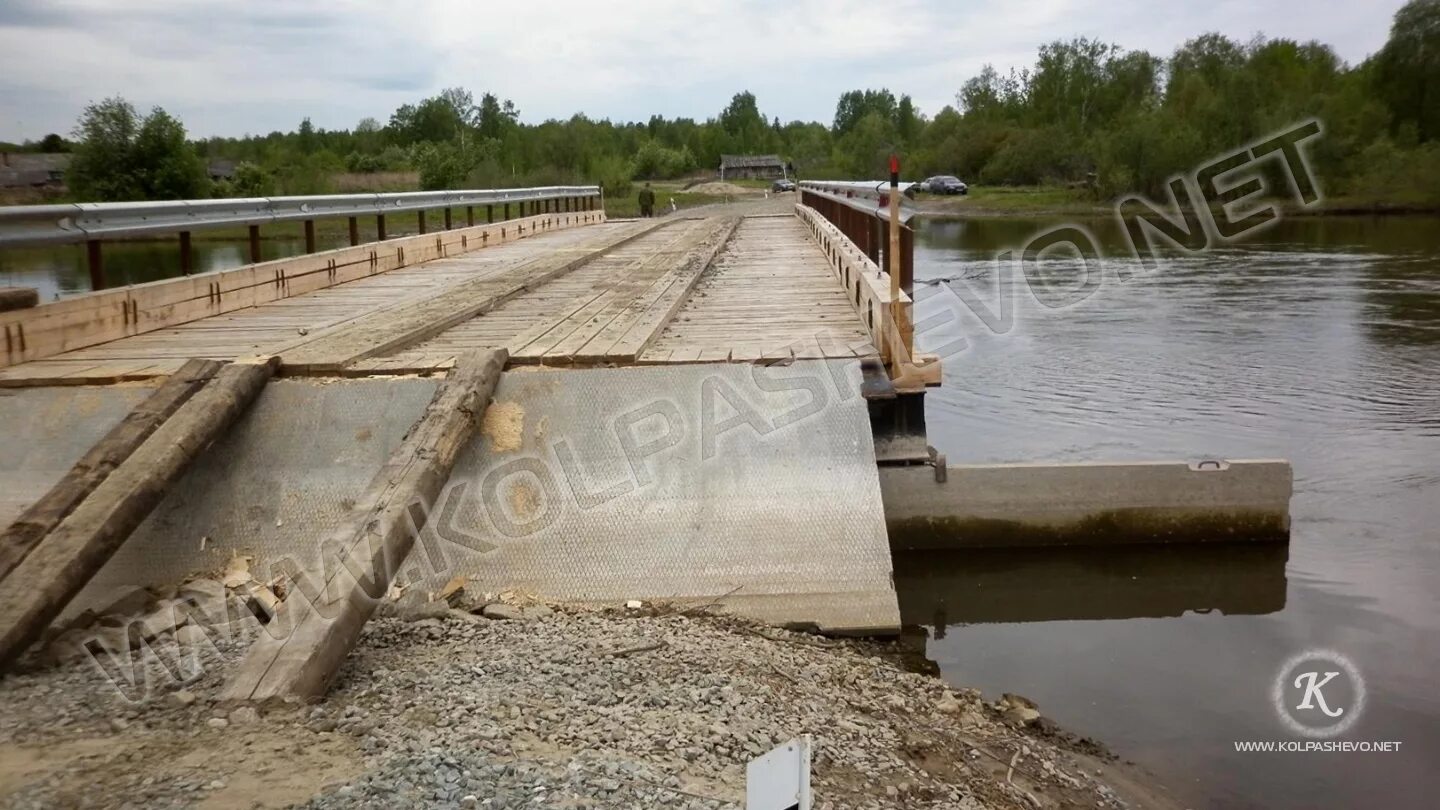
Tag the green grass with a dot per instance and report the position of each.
(629, 205)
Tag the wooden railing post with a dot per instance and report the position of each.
(96, 263)
(421, 220)
(187, 259)
(354, 231)
(380, 227)
(309, 236)
(254, 244)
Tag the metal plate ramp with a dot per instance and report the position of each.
(750, 487)
(44, 431)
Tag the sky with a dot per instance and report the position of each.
(236, 68)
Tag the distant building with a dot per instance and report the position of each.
(751, 167)
(31, 170)
(222, 169)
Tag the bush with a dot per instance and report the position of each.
(613, 174)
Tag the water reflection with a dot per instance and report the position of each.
(941, 589)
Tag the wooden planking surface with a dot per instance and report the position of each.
(605, 311)
(770, 296)
(286, 324)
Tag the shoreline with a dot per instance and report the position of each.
(623, 707)
(1039, 205)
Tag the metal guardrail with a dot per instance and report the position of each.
(86, 222)
(867, 196)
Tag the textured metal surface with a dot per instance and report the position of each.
(274, 486)
(692, 483)
(44, 431)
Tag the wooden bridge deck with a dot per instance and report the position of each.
(713, 289)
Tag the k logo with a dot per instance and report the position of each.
(1319, 693)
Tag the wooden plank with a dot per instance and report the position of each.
(426, 319)
(320, 623)
(13, 298)
(59, 566)
(96, 465)
(99, 317)
(654, 319)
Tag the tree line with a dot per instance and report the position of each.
(1086, 113)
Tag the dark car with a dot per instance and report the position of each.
(783, 185)
(945, 184)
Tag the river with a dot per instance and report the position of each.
(1317, 341)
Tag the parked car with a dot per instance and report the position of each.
(945, 184)
(782, 185)
(923, 185)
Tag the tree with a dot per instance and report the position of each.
(53, 143)
(1407, 69)
(119, 157)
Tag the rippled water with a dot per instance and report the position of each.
(1317, 341)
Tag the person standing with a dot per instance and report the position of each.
(647, 201)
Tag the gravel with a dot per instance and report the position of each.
(556, 707)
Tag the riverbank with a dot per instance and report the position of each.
(1054, 201)
(622, 708)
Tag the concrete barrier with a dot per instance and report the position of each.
(1017, 505)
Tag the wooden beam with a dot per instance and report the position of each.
(54, 572)
(109, 453)
(316, 627)
(12, 298)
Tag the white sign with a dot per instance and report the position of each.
(780, 780)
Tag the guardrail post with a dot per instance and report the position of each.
(96, 263)
(354, 231)
(448, 226)
(187, 260)
(507, 210)
(421, 220)
(380, 227)
(469, 216)
(254, 244)
(489, 213)
(309, 236)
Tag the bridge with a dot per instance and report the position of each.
(722, 407)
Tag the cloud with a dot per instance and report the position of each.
(227, 68)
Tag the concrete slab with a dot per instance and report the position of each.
(1016, 505)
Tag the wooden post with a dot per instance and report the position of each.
(62, 563)
(421, 220)
(96, 263)
(254, 244)
(507, 210)
(901, 311)
(448, 226)
(470, 216)
(354, 231)
(309, 236)
(489, 213)
(96, 465)
(302, 648)
(380, 227)
(187, 260)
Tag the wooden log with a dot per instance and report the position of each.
(60, 565)
(315, 628)
(95, 466)
(18, 298)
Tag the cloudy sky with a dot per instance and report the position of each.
(230, 68)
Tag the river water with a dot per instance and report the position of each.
(1317, 341)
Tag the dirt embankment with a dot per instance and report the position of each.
(479, 701)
